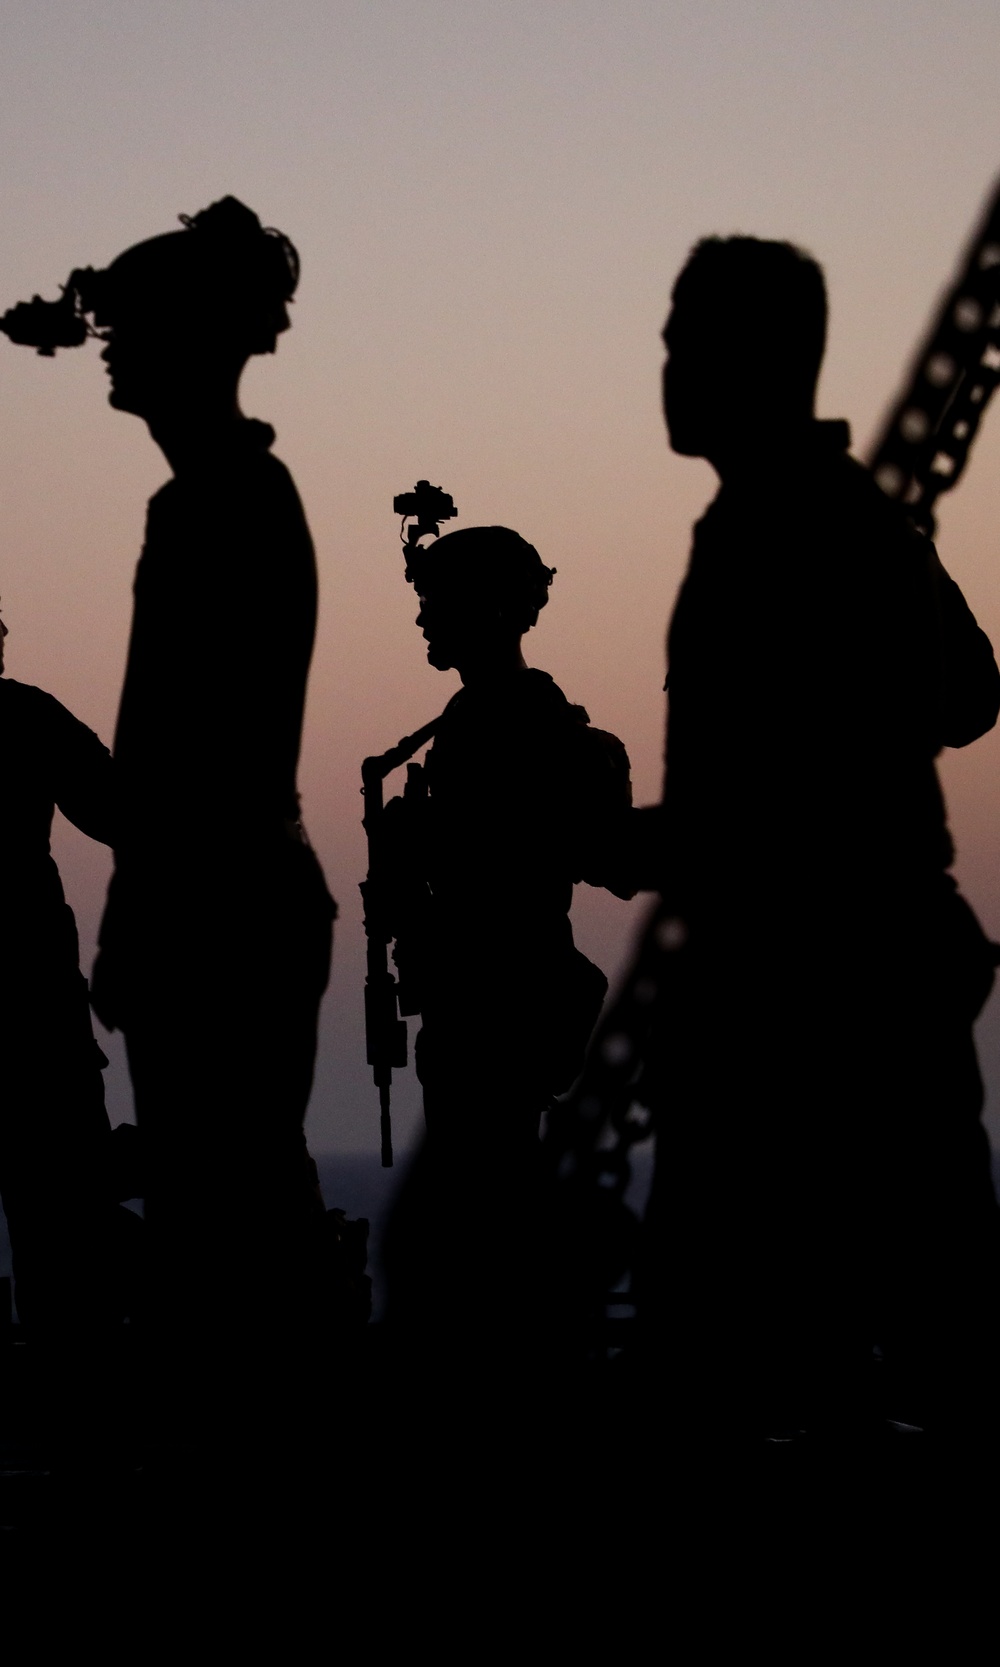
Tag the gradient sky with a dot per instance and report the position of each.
(491, 199)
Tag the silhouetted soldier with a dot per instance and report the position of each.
(216, 940)
(55, 1138)
(518, 800)
(822, 1177)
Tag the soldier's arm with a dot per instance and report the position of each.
(82, 774)
(894, 658)
(970, 701)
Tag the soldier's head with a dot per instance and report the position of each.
(480, 590)
(745, 340)
(3, 634)
(183, 313)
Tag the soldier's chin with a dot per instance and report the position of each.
(438, 658)
(119, 401)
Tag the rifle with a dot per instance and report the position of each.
(385, 1030)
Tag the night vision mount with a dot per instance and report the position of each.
(224, 254)
(46, 325)
(424, 508)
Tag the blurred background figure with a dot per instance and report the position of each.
(76, 1255)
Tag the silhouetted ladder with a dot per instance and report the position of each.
(925, 441)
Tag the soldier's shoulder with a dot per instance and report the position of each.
(163, 499)
(26, 694)
(539, 690)
(862, 494)
(876, 530)
(31, 704)
(274, 473)
(594, 746)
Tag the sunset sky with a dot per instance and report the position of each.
(491, 199)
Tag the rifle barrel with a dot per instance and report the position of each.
(385, 1125)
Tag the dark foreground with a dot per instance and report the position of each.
(257, 1501)
(347, 1497)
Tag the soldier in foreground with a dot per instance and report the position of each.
(519, 799)
(822, 1181)
(215, 943)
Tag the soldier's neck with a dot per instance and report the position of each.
(188, 437)
(502, 661)
(749, 453)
